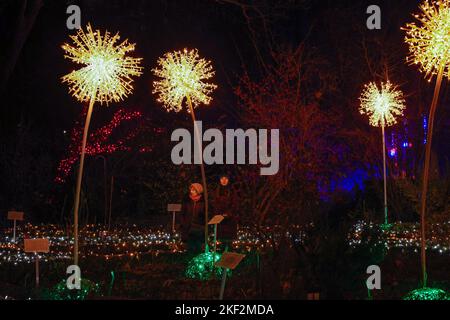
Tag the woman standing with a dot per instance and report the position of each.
(193, 218)
(225, 203)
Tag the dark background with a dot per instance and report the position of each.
(37, 113)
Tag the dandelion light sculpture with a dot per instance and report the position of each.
(105, 76)
(429, 47)
(383, 105)
(429, 40)
(184, 78)
(183, 75)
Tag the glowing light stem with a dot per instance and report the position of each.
(79, 179)
(222, 285)
(205, 190)
(37, 270)
(215, 239)
(14, 234)
(426, 172)
(384, 175)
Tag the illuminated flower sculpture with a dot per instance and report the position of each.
(383, 105)
(429, 46)
(183, 75)
(183, 78)
(105, 76)
(429, 40)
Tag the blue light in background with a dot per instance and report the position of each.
(393, 152)
(425, 128)
(352, 180)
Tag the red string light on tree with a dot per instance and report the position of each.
(99, 141)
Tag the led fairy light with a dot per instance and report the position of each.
(107, 71)
(99, 144)
(383, 105)
(105, 77)
(429, 47)
(184, 76)
(429, 40)
(131, 242)
(202, 266)
(134, 242)
(404, 236)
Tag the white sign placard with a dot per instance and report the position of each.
(37, 245)
(174, 207)
(230, 260)
(216, 219)
(15, 215)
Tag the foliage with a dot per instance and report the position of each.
(292, 97)
(328, 262)
(438, 202)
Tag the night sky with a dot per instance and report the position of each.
(216, 28)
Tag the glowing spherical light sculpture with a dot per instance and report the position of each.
(429, 47)
(183, 75)
(429, 39)
(106, 75)
(383, 105)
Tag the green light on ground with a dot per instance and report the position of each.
(61, 292)
(386, 226)
(427, 294)
(202, 266)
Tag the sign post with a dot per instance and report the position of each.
(313, 296)
(36, 246)
(37, 270)
(15, 215)
(215, 221)
(173, 207)
(228, 261)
